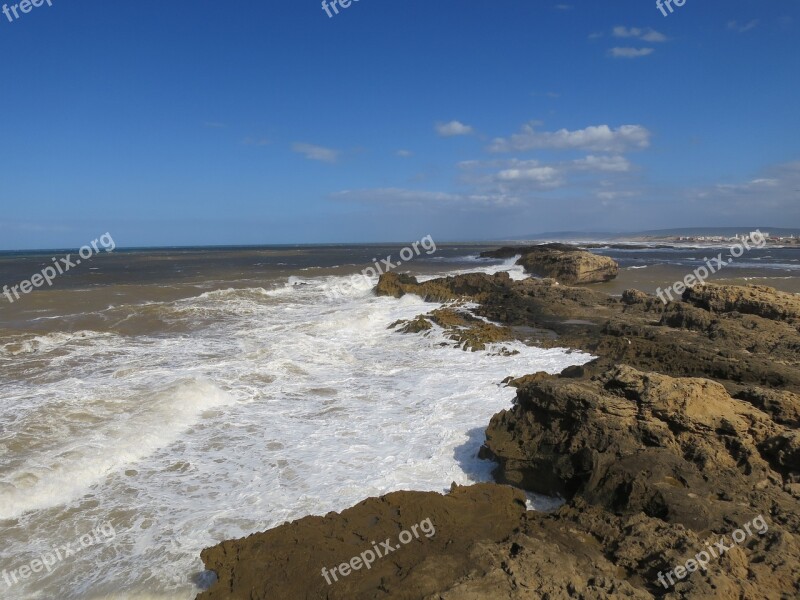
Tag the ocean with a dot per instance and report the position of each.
(188, 396)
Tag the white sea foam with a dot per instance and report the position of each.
(103, 436)
(45, 343)
(508, 265)
(281, 403)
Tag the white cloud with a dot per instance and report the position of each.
(743, 28)
(508, 183)
(646, 35)
(404, 153)
(630, 52)
(525, 177)
(545, 176)
(605, 195)
(617, 164)
(400, 196)
(774, 195)
(599, 138)
(312, 152)
(594, 194)
(754, 185)
(453, 128)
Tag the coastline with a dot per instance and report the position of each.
(713, 443)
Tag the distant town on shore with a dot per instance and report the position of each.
(710, 235)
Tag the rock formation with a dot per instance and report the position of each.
(566, 264)
(682, 432)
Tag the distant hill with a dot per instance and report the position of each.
(657, 233)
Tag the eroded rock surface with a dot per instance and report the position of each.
(287, 562)
(633, 442)
(564, 263)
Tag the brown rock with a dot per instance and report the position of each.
(758, 300)
(287, 562)
(416, 325)
(655, 459)
(567, 264)
(681, 340)
(571, 268)
(633, 442)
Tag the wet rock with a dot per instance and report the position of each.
(392, 284)
(682, 339)
(418, 324)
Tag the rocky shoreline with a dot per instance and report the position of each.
(680, 435)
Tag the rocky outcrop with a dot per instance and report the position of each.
(679, 461)
(393, 285)
(473, 286)
(759, 300)
(682, 432)
(566, 264)
(486, 546)
(446, 532)
(634, 442)
(570, 268)
(466, 330)
(680, 339)
(512, 251)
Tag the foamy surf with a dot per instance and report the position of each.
(108, 435)
(279, 402)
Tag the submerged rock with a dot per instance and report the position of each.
(467, 331)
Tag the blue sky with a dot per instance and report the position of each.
(192, 122)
